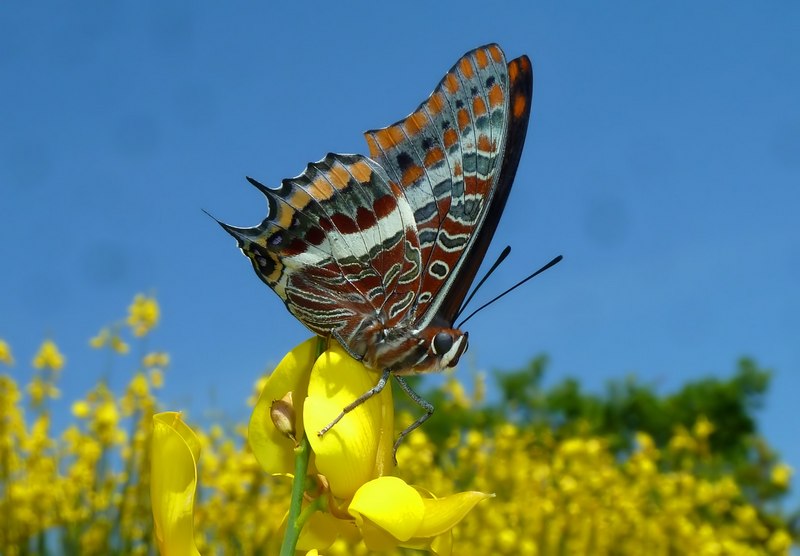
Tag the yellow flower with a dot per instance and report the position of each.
(119, 345)
(703, 428)
(48, 357)
(143, 314)
(111, 339)
(354, 457)
(156, 359)
(781, 475)
(359, 447)
(37, 391)
(40, 390)
(175, 451)
(81, 409)
(258, 386)
(479, 388)
(138, 386)
(5, 353)
(101, 339)
(457, 393)
(156, 378)
(780, 542)
(273, 450)
(391, 513)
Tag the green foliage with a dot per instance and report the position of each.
(625, 408)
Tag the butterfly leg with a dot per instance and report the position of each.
(420, 402)
(361, 399)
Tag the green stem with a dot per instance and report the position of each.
(293, 523)
(314, 506)
(297, 516)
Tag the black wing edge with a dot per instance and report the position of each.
(520, 74)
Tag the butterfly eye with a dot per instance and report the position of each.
(442, 343)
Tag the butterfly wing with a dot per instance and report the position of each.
(520, 75)
(454, 159)
(355, 246)
(337, 238)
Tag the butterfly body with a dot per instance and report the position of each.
(379, 252)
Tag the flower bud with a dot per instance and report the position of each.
(283, 416)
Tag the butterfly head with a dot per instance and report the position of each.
(406, 351)
(445, 346)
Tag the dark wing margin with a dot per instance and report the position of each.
(520, 74)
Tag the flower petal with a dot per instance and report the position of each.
(442, 514)
(173, 483)
(391, 504)
(273, 450)
(375, 538)
(442, 545)
(359, 447)
(319, 532)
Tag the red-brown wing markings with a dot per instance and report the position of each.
(496, 96)
(399, 243)
(481, 58)
(433, 157)
(407, 277)
(370, 252)
(309, 297)
(283, 237)
(426, 156)
(445, 162)
(341, 229)
(342, 207)
(331, 257)
(359, 211)
(415, 123)
(450, 138)
(519, 94)
(473, 158)
(380, 254)
(394, 257)
(451, 83)
(435, 104)
(417, 161)
(497, 54)
(465, 65)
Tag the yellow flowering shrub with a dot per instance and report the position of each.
(84, 487)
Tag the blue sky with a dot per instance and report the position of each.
(662, 161)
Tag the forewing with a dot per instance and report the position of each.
(520, 75)
(446, 157)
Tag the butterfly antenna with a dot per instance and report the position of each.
(500, 259)
(511, 289)
(211, 216)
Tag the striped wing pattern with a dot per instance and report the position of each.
(364, 249)
(445, 156)
(338, 242)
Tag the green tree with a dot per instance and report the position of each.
(626, 407)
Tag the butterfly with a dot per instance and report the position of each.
(379, 252)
